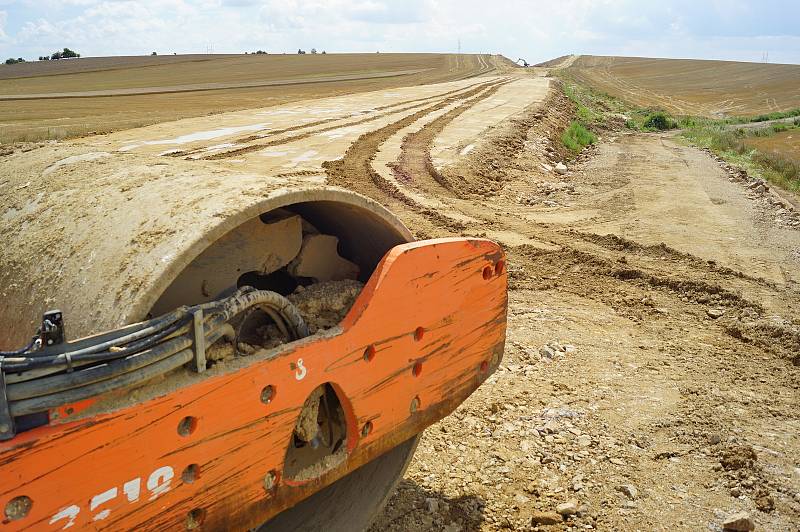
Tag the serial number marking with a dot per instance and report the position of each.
(158, 483)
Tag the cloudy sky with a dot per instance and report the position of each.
(535, 30)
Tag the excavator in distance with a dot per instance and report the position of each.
(229, 360)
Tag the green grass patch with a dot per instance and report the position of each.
(576, 137)
(659, 121)
(730, 144)
(596, 110)
(773, 116)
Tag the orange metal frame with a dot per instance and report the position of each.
(428, 327)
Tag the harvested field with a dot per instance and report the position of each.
(692, 87)
(109, 94)
(785, 144)
(97, 64)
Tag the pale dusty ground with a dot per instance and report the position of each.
(634, 371)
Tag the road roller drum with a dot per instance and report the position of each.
(227, 353)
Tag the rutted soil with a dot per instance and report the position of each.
(644, 386)
(395, 108)
(354, 170)
(415, 166)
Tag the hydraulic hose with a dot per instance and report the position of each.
(64, 360)
(66, 381)
(167, 347)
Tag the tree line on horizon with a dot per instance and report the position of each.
(66, 53)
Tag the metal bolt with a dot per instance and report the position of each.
(366, 429)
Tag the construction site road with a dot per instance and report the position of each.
(650, 379)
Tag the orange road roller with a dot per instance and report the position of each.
(253, 355)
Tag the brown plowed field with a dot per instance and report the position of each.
(77, 97)
(693, 87)
(97, 64)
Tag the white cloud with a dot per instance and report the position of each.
(3, 19)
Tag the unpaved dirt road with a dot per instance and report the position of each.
(650, 380)
(653, 336)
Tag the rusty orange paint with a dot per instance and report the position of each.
(123, 469)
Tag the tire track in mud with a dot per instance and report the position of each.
(254, 138)
(602, 266)
(416, 103)
(713, 343)
(415, 165)
(484, 171)
(626, 279)
(355, 172)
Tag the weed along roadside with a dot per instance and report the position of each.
(764, 146)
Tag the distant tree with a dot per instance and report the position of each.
(55, 56)
(313, 50)
(323, 52)
(67, 53)
(11, 61)
(300, 51)
(153, 53)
